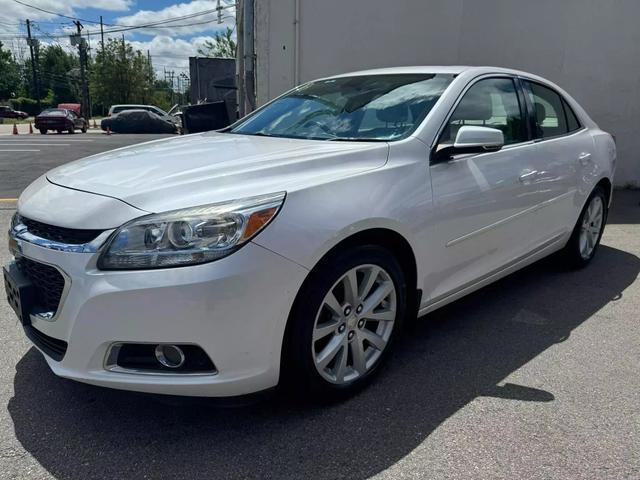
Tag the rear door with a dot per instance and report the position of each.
(564, 150)
(484, 203)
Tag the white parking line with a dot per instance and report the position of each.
(29, 150)
(22, 140)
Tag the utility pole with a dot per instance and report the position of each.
(101, 35)
(219, 8)
(240, 95)
(125, 81)
(36, 83)
(83, 73)
(171, 74)
(249, 55)
(150, 67)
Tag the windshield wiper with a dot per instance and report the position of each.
(356, 139)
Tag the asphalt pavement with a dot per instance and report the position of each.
(534, 377)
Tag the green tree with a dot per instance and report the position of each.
(57, 69)
(10, 78)
(120, 74)
(222, 46)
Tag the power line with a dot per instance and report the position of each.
(182, 17)
(52, 13)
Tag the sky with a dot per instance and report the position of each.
(170, 43)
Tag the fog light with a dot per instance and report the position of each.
(170, 356)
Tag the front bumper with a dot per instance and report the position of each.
(234, 308)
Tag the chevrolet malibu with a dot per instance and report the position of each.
(292, 246)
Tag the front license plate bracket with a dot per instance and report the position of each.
(21, 293)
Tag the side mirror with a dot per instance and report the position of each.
(472, 139)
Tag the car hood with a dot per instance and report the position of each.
(212, 167)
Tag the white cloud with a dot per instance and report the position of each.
(195, 24)
(13, 11)
(171, 53)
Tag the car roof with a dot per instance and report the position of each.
(132, 105)
(442, 69)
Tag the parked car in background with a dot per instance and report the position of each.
(60, 120)
(294, 244)
(8, 112)
(138, 121)
(149, 108)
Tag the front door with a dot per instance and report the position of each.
(484, 203)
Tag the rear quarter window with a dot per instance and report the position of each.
(573, 123)
(550, 119)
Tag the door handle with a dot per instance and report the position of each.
(584, 158)
(528, 175)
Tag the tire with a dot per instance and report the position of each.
(586, 235)
(43, 131)
(303, 362)
(84, 129)
(71, 131)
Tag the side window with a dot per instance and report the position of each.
(489, 103)
(573, 123)
(549, 112)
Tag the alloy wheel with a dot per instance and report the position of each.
(591, 227)
(354, 324)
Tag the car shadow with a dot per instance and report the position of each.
(452, 356)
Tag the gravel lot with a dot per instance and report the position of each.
(536, 377)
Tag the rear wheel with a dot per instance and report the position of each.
(344, 323)
(84, 129)
(71, 131)
(585, 239)
(43, 131)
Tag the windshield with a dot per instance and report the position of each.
(364, 108)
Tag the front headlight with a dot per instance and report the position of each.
(189, 236)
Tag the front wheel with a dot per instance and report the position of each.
(344, 322)
(585, 239)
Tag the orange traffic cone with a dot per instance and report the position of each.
(94, 123)
(30, 128)
(15, 129)
(108, 130)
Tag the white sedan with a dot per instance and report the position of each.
(291, 247)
